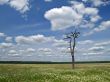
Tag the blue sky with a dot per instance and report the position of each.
(33, 30)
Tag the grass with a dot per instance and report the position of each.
(55, 73)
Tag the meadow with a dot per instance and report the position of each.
(98, 72)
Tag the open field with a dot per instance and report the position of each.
(98, 72)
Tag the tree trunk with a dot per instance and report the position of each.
(73, 59)
(73, 62)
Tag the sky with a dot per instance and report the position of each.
(34, 30)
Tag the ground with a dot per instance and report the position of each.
(98, 72)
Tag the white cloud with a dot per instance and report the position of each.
(105, 43)
(95, 18)
(30, 50)
(2, 34)
(94, 53)
(56, 48)
(3, 2)
(91, 11)
(45, 51)
(12, 52)
(33, 39)
(5, 45)
(20, 5)
(8, 39)
(60, 43)
(89, 47)
(97, 3)
(21, 51)
(66, 16)
(86, 42)
(48, 0)
(96, 48)
(62, 18)
(64, 50)
(94, 2)
(103, 26)
(73, 2)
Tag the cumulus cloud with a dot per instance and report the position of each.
(64, 50)
(104, 43)
(13, 53)
(33, 39)
(48, 0)
(60, 43)
(5, 45)
(2, 34)
(8, 39)
(85, 42)
(66, 16)
(88, 12)
(61, 18)
(96, 48)
(20, 5)
(30, 50)
(56, 48)
(97, 3)
(45, 50)
(3, 2)
(89, 47)
(103, 26)
(93, 53)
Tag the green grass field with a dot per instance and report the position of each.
(99, 72)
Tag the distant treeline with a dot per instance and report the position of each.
(49, 62)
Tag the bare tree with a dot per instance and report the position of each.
(72, 43)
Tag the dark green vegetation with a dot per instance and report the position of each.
(49, 62)
(97, 72)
